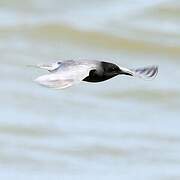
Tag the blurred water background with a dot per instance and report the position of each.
(124, 128)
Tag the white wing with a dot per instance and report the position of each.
(146, 72)
(65, 76)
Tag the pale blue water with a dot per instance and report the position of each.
(120, 129)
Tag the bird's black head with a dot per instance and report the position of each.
(110, 70)
(106, 71)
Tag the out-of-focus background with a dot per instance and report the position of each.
(124, 128)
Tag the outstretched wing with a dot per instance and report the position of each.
(65, 76)
(146, 72)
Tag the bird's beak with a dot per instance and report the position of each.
(125, 71)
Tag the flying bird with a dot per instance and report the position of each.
(70, 72)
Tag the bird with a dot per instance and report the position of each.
(63, 74)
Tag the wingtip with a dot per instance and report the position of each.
(147, 73)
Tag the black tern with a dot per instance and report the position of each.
(67, 73)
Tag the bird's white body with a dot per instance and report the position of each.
(65, 74)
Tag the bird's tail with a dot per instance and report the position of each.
(147, 73)
(50, 67)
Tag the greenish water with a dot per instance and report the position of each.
(120, 129)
